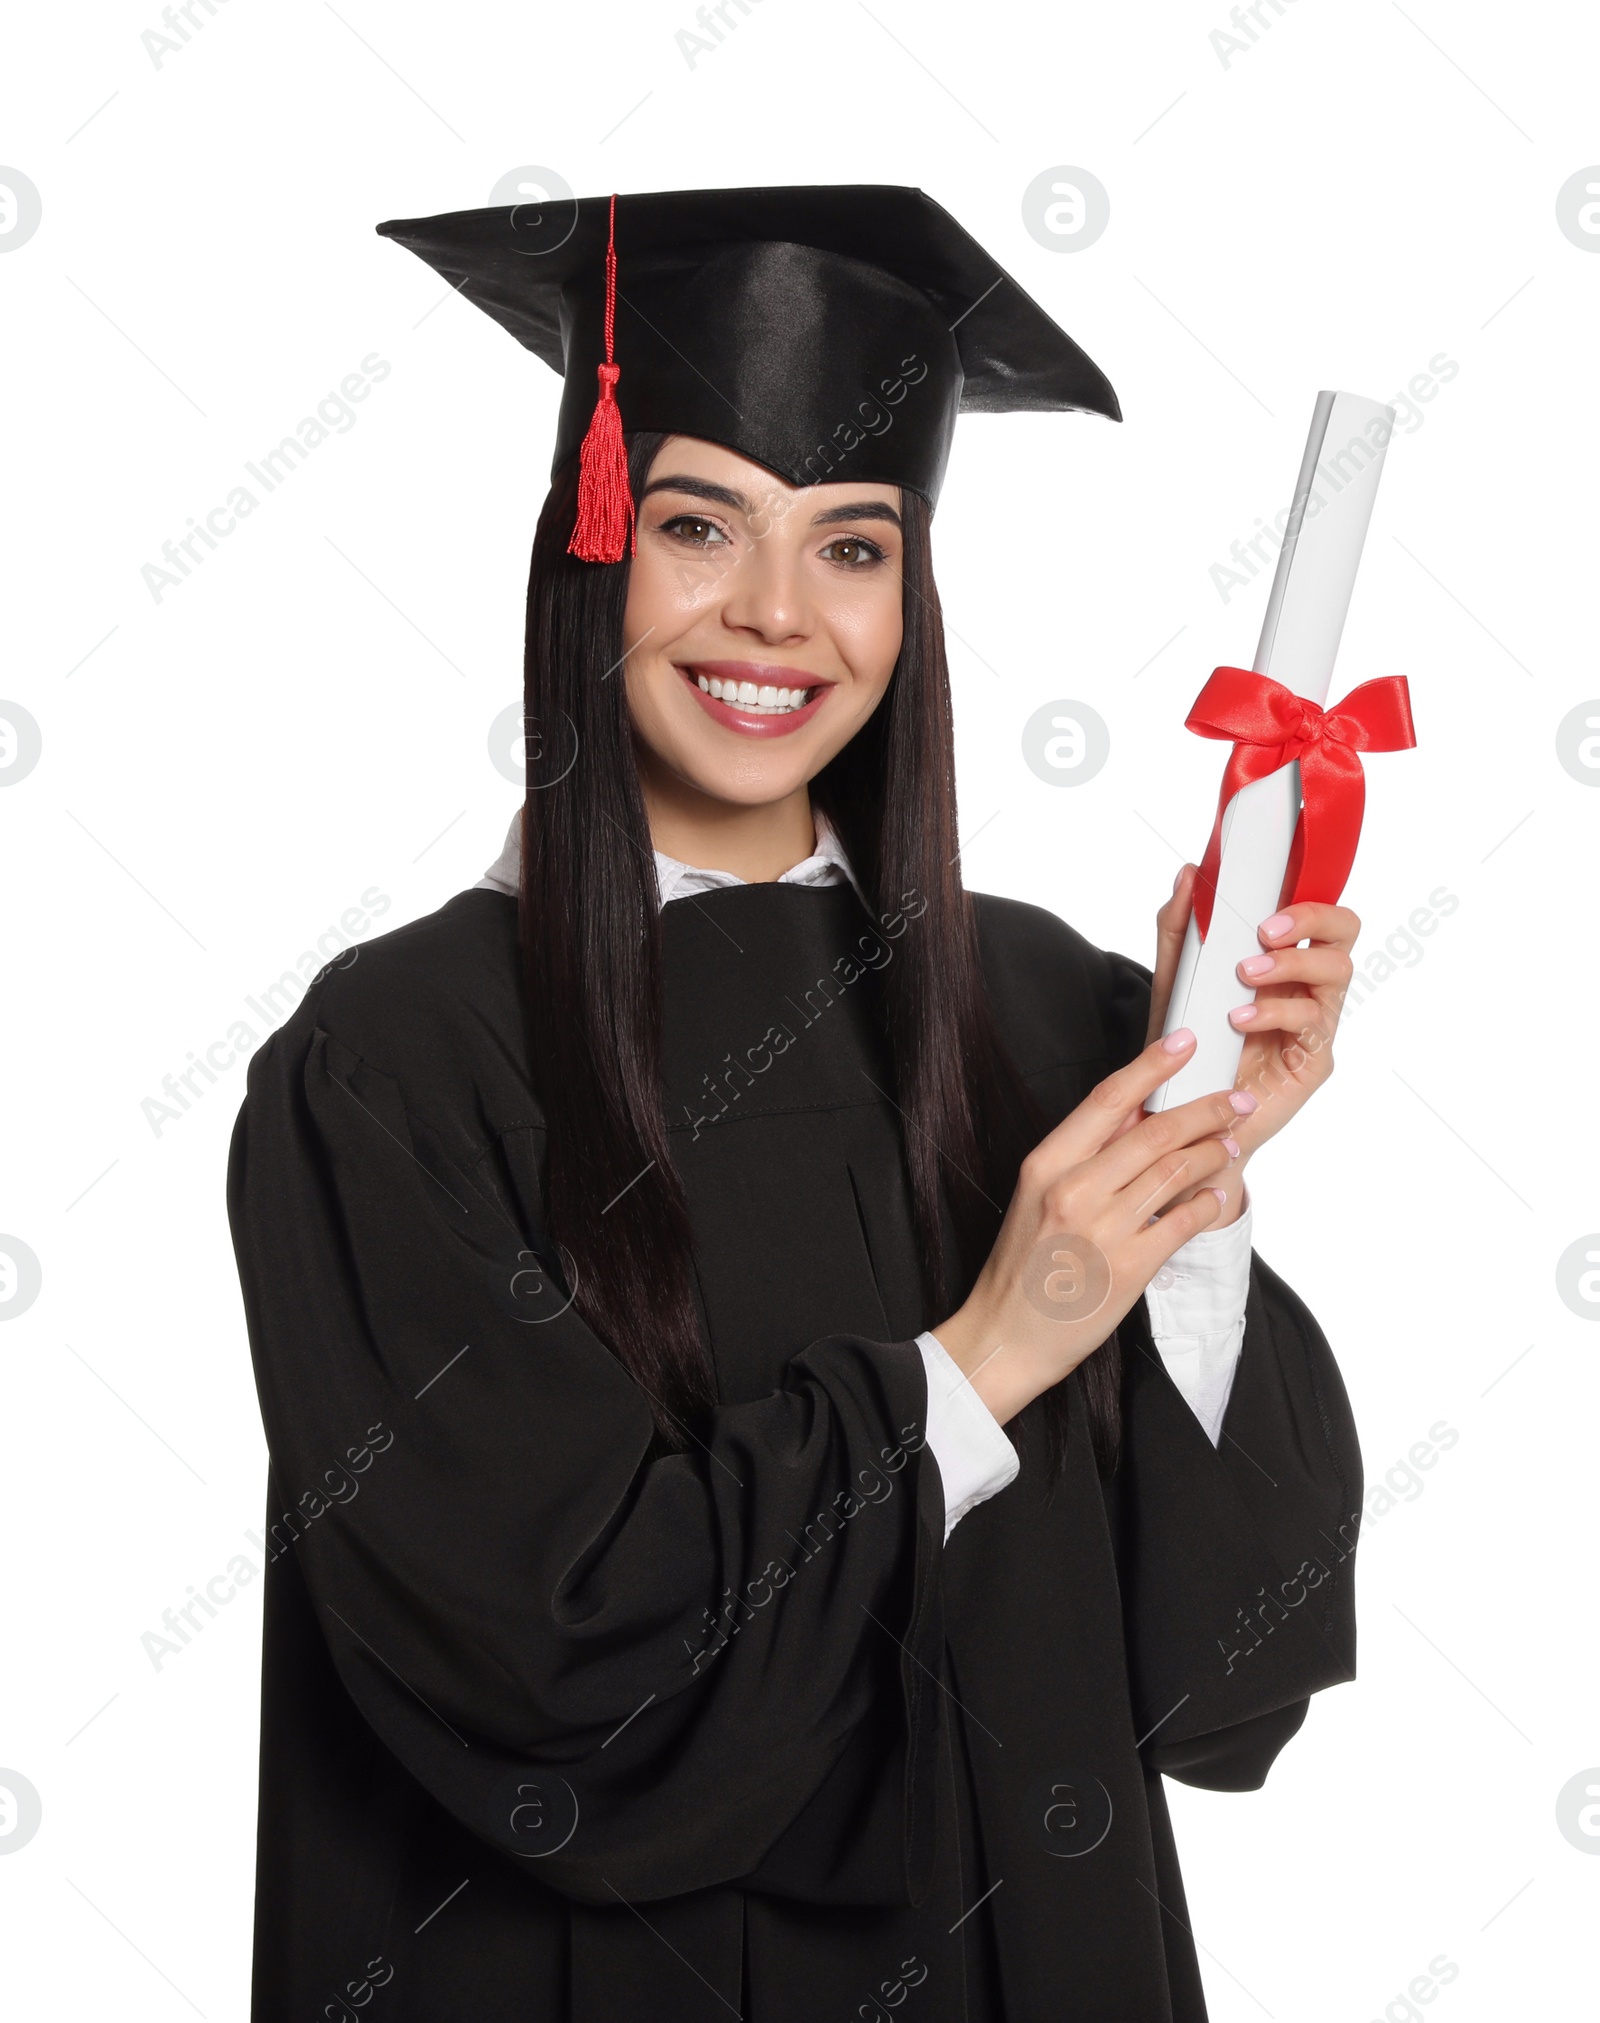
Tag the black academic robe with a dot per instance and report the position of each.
(555, 1725)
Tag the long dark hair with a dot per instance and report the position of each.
(591, 954)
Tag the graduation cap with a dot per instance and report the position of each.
(828, 332)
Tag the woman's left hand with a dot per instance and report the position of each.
(1288, 1049)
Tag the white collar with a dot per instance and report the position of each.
(827, 865)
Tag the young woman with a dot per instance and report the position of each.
(774, 1453)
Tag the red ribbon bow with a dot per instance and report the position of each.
(1271, 726)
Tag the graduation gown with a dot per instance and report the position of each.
(555, 1725)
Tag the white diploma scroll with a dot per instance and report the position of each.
(1306, 611)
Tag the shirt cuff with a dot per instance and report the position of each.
(1196, 1303)
(974, 1453)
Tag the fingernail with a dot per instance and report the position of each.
(1179, 879)
(1174, 1043)
(1222, 1195)
(1242, 1101)
(1257, 965)
(1242, 1014)
(1231, 1147)
(1280, 923)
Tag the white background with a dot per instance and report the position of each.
(226, 770)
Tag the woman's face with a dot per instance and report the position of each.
(762, 622)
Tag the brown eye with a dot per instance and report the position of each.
(854, 552)
(693, 529)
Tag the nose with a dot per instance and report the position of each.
(766, 595)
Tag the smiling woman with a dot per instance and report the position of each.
(676, 776)
(762, 626)
(808, 1536)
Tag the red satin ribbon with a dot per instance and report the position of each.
(1270, 727)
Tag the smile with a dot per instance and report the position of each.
(755, 699)
(750, 695)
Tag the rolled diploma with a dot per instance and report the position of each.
(1299, 640)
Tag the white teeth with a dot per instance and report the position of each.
(765, 698)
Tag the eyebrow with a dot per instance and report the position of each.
(699, 488)
(866, 509)
(725, 495)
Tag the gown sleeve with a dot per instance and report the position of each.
(1236, 1561)
(636, 1673)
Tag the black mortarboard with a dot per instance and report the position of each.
(829, 332)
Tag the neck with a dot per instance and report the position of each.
(756, 843)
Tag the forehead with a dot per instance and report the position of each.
(696, 457)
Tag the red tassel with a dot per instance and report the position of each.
(605, 522)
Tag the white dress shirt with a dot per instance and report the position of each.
(1196, 1300)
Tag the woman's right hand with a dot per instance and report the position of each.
(1082, 1238)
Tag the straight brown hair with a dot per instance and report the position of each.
(589, 925)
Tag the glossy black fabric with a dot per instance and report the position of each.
(829, 331)
(557, 1727)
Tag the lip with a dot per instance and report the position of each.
(762, 673)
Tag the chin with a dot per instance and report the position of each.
(745, 781)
